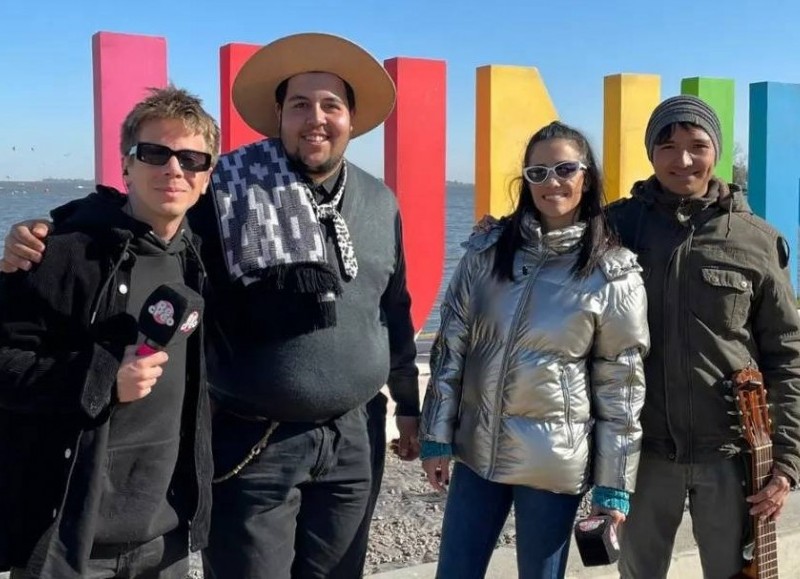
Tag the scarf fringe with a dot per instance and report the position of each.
(305, 278)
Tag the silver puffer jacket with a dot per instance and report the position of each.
(539, 381)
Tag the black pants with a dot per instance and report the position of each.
(294, 511)
(356, 555)
(165, 557)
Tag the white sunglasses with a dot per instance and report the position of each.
(538, 174)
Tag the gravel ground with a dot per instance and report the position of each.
(407, 523)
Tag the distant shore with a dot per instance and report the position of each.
(49, 182)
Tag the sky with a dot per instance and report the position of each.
(46, 108)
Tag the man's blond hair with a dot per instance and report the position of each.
(171, 103)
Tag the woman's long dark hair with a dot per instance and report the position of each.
(597, 237)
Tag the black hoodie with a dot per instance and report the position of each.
(138, 503)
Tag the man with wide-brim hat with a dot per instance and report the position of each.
(312, 316)
(308, 315)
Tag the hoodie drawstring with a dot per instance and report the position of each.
(110, 277)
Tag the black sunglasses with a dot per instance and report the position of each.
(159, 155)
(538, 174)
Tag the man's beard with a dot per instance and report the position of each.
(325, 168)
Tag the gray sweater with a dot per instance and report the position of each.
(322, 374)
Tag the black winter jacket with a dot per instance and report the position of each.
(63, 329)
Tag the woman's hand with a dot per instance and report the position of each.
(617, 517)
(437, 469)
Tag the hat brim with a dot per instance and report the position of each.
(254, 86)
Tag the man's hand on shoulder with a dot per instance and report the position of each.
(24, 245)
(486, 223)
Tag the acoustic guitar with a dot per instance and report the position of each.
(751, 403)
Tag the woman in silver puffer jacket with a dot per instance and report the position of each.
(536, 371)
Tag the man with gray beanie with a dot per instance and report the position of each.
(720, 300)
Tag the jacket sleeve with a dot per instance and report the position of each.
(621, 341)
(396, 303)
(776, 329)
(443, 395)
(48, 364)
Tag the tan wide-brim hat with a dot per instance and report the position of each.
(254, 87)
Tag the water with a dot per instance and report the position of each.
(19, 201)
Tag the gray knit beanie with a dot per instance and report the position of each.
(683, 109)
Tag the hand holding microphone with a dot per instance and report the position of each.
(170, 314)
(137, 375)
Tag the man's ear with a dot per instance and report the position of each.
(207, 181)
(125, 172)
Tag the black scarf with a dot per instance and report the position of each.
(273, 242)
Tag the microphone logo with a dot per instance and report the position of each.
(191, 322)
(163, 313)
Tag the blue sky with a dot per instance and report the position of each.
(46, 69)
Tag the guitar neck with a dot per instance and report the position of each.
(766, 538)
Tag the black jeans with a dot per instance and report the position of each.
(356, 556)
(295, 509)
(165, 557)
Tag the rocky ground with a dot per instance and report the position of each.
(407, 523)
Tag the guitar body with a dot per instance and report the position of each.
(749, 571)
(751, 403)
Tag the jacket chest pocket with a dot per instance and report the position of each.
(722, 300)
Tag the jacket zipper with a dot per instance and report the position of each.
(195, 269)
(681, 251)
(567, 407)
(665, 330)
(504, 365)
(686, 249)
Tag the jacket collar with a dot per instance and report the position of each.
(727, 196)
(559, 240)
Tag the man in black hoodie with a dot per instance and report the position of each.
(105, 462)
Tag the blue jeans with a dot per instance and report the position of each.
(476, 512)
